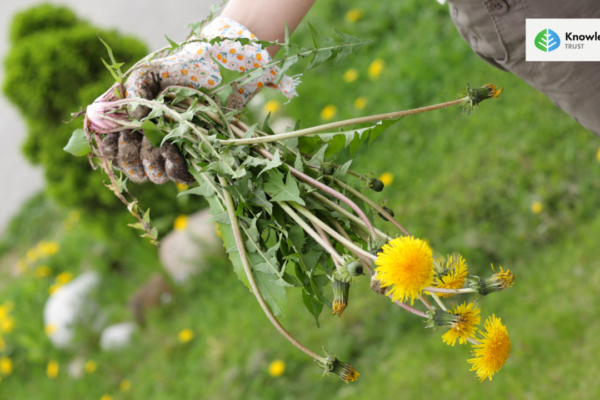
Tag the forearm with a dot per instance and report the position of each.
(266, 18)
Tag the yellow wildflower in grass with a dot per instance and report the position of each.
(42, 271)
(6, 366)
(48, 248)
(464, 324)
(185, 335)
(181, 187)
(52, 369)
(50, 329)
(405, 264)
(360, 103)
(386, 178)
(90, 366)
(328, 112)
(375, 68)
(180, 223)
(598, 155)
(271, 106)
(64, 277)
(106, 397)
(536, 207)
(5, 309)
(276, 368)
(493, 351)
(7, 325)
(125, 385)
(450, 273)
(350, 75)
(354, 15)
(502, 279)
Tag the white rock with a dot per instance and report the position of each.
(183, 253)
(67, 305)
(117, 336)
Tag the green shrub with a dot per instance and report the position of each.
(53, 69)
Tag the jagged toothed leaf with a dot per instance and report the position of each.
(314, 306)
(349, 44)
(324, 46)
(271, 164)
(280, 191)
(273, 293)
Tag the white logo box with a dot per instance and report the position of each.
(579, 39)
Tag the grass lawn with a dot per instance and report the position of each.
(465, 183)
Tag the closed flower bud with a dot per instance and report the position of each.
(345, 371)
(327, 169)
(340, 297)
(497, 283)
(355, 268)
(376, 185)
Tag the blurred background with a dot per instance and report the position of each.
(88, 310)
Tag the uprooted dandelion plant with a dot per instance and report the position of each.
(288, 220)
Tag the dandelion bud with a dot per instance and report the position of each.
(376, 185)
(345, 371)
(355, 268)
(472, 97)
(340, 297)
(327, 169)
(497, 283)
(387, 210)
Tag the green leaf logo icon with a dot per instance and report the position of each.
(547, 40)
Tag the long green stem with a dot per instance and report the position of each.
(449, 291)
(439, 301)
(339, 124)
(310, 231)
(347, 243)
(248, 270)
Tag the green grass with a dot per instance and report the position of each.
(465, 183)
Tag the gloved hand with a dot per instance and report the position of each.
(191, 66)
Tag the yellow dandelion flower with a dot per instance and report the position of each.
(598, 155)
(106, 397)
(271, 106)
(64, 277)
(328, 112)
(52, 369)
(493, 351)
(5, 309)
(351, 75)
(354, 15)
(375, 68)
(90, 366)
(125, 385)
(180, 223)
(7, 325)
(50, 329)
(6, 366)
(463, 324)
(360, 103)
(386, 178)
(536, 207)
(450, 273)
(42, 271)
(48, 248)
(181, 187)
(276, 368)
(405, 264)
(185, 335)
(503, 279)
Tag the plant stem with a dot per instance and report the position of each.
(449, 291)
(364, 261)
(310, 231)
(324, 236)
(244, 257)
(371, 203)
(347, 243)
(339, 124)
(425, 302)
(439, 301)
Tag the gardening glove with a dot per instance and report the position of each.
(194, 66)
